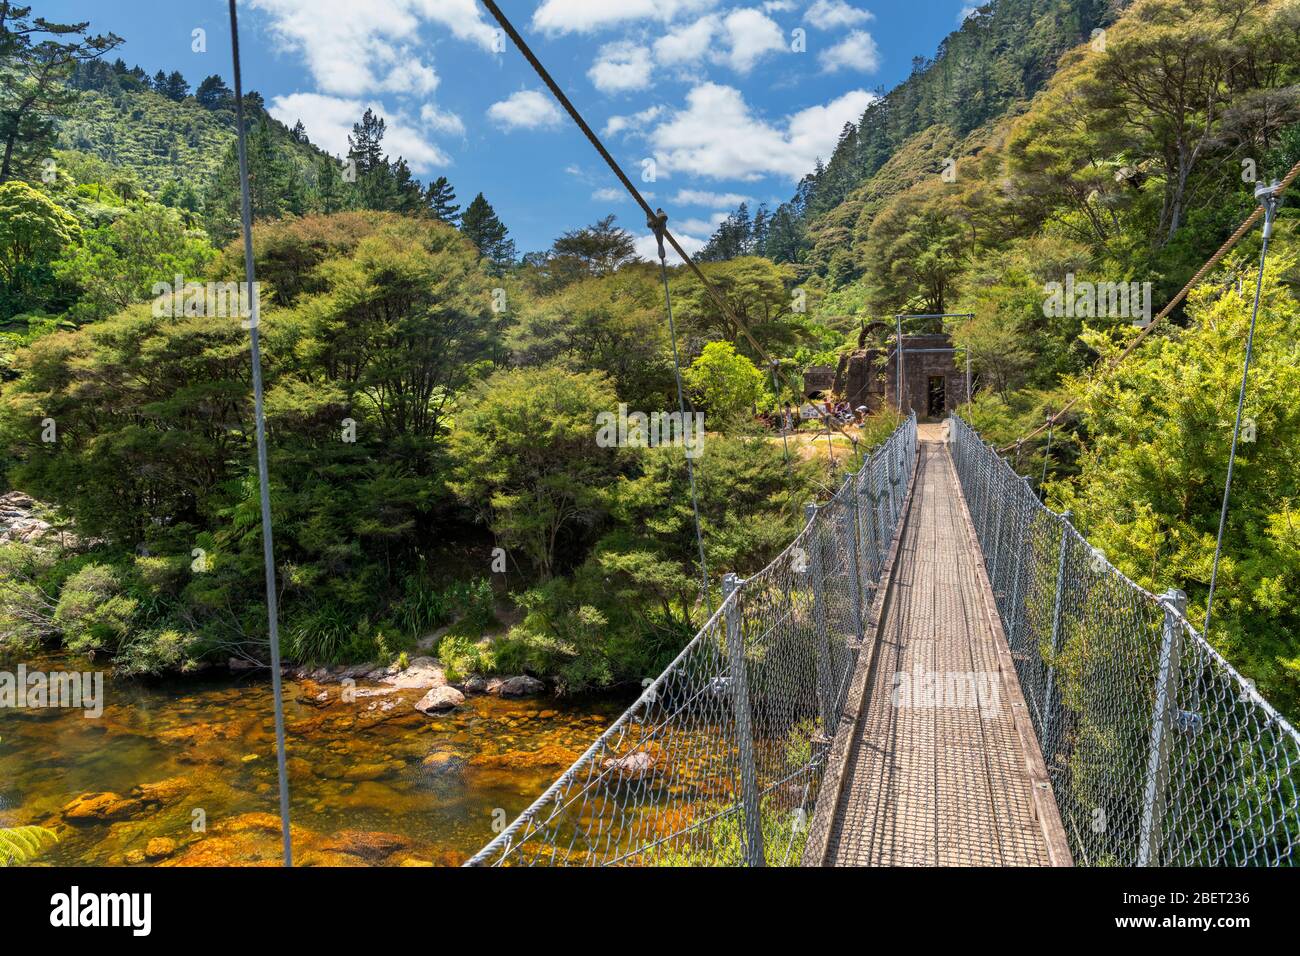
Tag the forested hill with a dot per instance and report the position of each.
(1002, 55)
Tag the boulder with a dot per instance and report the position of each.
(521, 686)
(421, 673)
(440, 699)
(101, 808)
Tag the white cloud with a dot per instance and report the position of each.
(699, 197)
(719, 137)
(352, 52)
(739, 40)
(329, 120)
(832, 14)
(621, 68)
(444, 121)
(751, 35)
(688, 43)
(647, 247)
(527, 109)
(857, 51)
(635, 123)
(584, 16)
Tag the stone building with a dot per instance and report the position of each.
(932, 382)
(818, 380)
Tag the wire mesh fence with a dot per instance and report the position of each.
(1160, 753)
(719, 761)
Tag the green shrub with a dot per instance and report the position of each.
(92, 612)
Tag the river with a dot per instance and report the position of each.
(188, 765)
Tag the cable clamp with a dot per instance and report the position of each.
(657, 224)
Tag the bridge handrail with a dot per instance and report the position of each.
(719, 760)
(1159, 751)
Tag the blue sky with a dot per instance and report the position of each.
(713, 93)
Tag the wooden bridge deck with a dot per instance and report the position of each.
(952, 781)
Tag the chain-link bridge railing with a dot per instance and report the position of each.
(719, 761)
(1159, 752)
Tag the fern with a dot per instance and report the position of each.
(21, 845)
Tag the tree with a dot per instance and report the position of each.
(612, 325)
(599, 249)
(726, 384)
(176, 88)
(441, 200)
(33, 231)
(524, 456)
(916, 249)
(489, 234)
(273, 183)
(33, 74)
(213, 93)
(117, 264)
(1170, 68)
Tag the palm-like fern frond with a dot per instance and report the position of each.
(20, 845)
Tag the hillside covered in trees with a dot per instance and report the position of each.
(431, 391)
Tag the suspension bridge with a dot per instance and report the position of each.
(938, 670)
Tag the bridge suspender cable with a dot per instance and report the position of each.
(1268, 198)
(1276, 190)
(268, 550)
(657, 223)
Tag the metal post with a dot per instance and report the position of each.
(1058, 607)
(893, 482)
(1013, 609)
(997, 532)
(1162, 721)
(821, 627)
(874, 498)
(854, 569)
(750, 802)
(898, 325)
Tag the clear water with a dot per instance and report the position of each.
(372, 781)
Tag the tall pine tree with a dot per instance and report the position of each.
(489, 234)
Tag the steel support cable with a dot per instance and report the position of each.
(651, 214)
(268, 549)
(657, 224)
(1195, 280)
(1269, 207)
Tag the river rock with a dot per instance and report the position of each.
(636, 764)
(421, 673)
(520, 686)
(159, 848)
(439, 699)
(443, 762)
(101, 808)
(369, 845)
